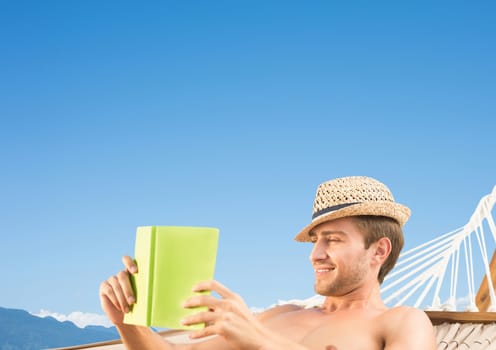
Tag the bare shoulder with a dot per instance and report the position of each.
(406, 313)
(278, 310)
(399, 323)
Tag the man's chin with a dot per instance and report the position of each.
(322, 290)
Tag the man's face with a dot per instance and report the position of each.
(339, 258)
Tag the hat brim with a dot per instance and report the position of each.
(395, 211)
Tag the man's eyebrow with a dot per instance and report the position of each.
(327, 232)
(330, 232)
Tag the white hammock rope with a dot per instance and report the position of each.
(421, 270)
(419, 258)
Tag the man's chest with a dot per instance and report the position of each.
(343, 336)
(345, 332)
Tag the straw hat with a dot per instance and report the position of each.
(351, 196)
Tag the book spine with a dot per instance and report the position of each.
(142, 282)
(151, 275)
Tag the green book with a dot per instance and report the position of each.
(170, 260)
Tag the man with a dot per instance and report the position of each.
(357, 237)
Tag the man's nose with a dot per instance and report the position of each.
(318, 251)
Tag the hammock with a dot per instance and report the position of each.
(467, 336)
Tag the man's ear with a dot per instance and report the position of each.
(382, 249)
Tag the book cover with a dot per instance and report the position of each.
(170, 260)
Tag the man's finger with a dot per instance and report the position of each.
(203, 300)
(127, 289)
(215, 286)
(204, 332)
(116, 293)
(201, 317)
(129, 264)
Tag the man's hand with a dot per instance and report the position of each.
(116, 293)
(228, 317)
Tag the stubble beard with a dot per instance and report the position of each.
(345, 280)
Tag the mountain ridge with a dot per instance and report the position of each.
(21, 330)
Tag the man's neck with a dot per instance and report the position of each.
(362, 298)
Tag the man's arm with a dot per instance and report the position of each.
(116, 297)
(409, 329)
(139, 337)
(228, 317)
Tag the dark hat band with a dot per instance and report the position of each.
(330, 209)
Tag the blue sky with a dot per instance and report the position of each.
(120, 114)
